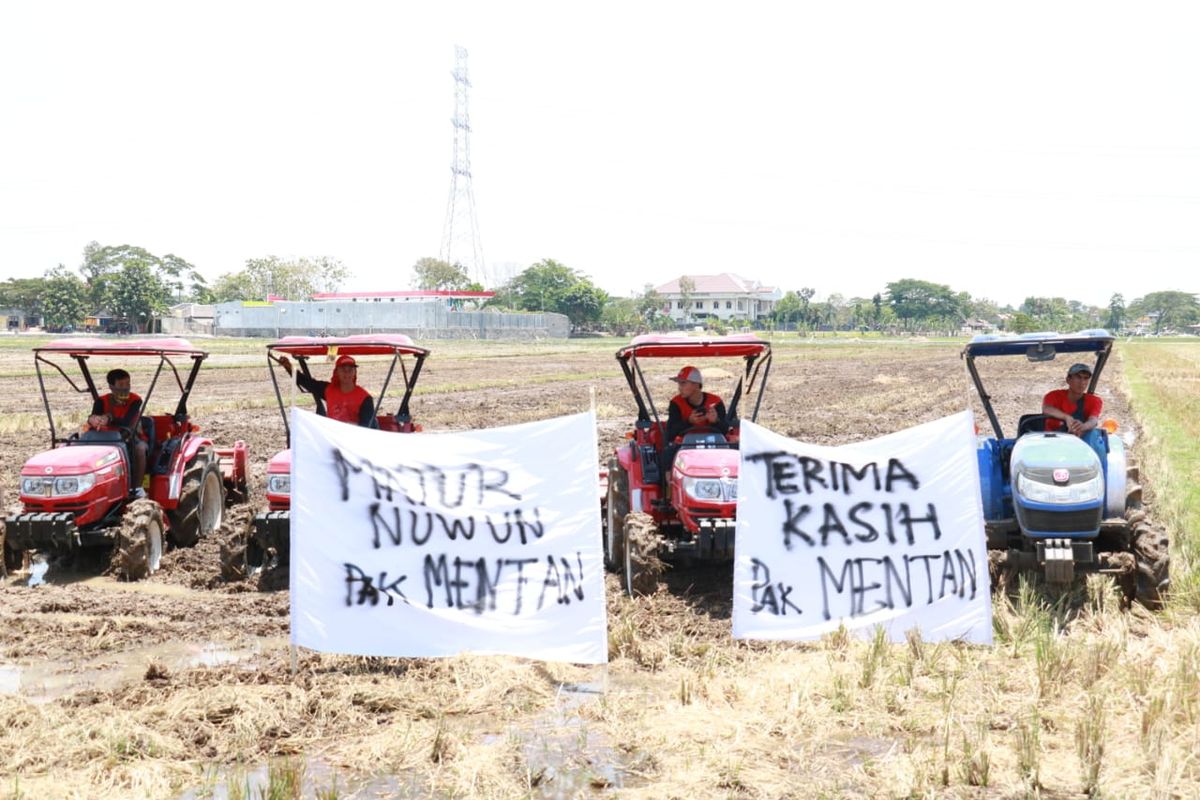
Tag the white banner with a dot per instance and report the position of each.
(887, 532)
(433, 544)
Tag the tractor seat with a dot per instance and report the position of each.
(1028, 423)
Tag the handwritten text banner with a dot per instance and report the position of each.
(437, 544)
(887, 532)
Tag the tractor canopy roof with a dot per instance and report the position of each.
(658, 346)
(92, 346)
(366, 344)
(1044, 344)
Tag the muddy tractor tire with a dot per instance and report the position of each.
(616, 509)
(201, 506)
(1149, 545)
(138, 550)
(12, 559)
(641, 565)
(241, 556)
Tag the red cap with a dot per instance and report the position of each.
(345, 360)
(688, 374)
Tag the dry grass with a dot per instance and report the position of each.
(1077, 697)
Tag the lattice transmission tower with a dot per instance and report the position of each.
(460, 236)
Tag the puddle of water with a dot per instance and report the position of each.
(567, 758)
(37, 572)
(45, 681)
(226, 782)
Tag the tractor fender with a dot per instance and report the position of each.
(989, 455)
(1114, 478)
(187, 451)
(625, 456)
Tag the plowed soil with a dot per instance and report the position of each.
(157, 729)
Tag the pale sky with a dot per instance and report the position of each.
(1006, 149)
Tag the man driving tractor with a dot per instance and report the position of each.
(118, 410)
(1075, 408)
(693, 408)
(340, 397)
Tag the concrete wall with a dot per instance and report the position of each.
(419, 320)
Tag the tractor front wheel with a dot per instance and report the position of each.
(139, 546)
(615, 511)
(241, 555)
(201, 506)
(642, 565)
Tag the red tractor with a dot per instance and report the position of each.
(676, 501)
(269, 542)
(79, 493)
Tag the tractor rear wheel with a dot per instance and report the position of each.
(641, 567)
(1148, 543)
(615, 511)
(201, 506)
(139, 546)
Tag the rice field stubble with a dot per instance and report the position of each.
(151, 689)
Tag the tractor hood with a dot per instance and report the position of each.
(1040, 454)
(80, 460)
(708, 463)
(281, 462)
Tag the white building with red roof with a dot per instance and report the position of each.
(725, 297)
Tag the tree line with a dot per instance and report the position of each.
(133, 286)
(130, 286)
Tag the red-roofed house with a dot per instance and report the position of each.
(726, 297)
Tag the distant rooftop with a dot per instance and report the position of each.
(725, 283)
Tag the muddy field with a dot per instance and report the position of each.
(180, 686)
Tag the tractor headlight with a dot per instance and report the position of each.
(279, 484)
(77, 484)
(31, 486)
(1085, 492)
(730, 488)
(703, 488)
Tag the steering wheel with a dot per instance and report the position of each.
(1032, 423)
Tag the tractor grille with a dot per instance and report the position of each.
(1085, 521)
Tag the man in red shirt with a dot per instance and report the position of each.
(118, 410)
(1073, 406)
(341, 397)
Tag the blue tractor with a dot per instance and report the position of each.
(1056, 503)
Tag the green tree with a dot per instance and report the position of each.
(551, 286)
(583, 304)
(176, 279)
(291, 279)
(137, 294)
(1050, 313)
(23, 294)
(654, 309)
(808, 317)
(622, 316)
(64, 299)
(921, 304)
(1169, 309)
(1022, 323)
(433, 274)
(687, 289)
(1116, 313)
